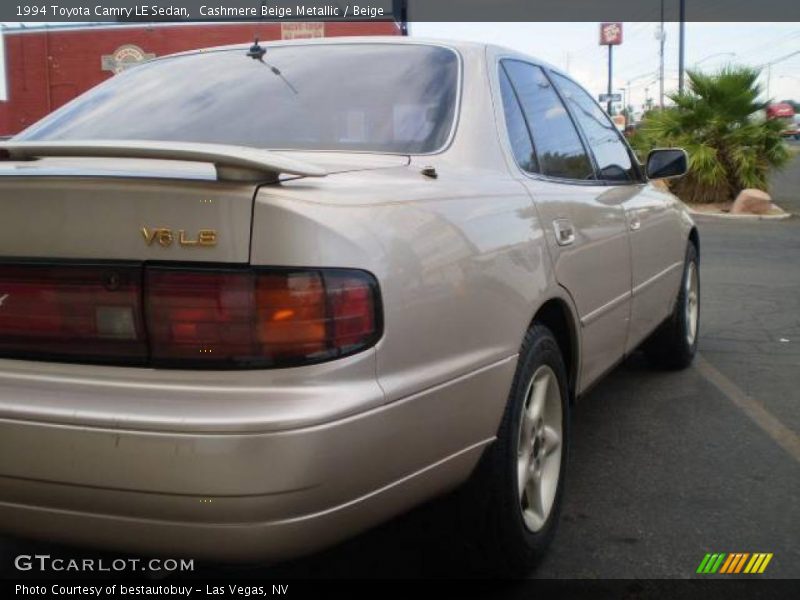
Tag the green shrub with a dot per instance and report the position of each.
(716, 120)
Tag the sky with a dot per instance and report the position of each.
(574, 47)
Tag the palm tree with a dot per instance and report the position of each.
(718, 120)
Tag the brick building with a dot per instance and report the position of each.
(45, 67)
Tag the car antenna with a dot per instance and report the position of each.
(257, 52)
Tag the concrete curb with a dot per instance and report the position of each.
(721, 215)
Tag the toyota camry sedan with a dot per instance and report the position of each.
(257, 299)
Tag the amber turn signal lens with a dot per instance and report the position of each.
(293, 317)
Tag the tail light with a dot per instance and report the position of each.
(187, 317)
(90, 313)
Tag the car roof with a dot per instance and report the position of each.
(461, 46)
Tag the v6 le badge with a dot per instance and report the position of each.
(166, 237)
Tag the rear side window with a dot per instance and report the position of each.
(610, 153)
(558, 146)
(518, 133)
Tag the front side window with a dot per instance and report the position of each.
(558, 146)
(359, 97)
(612, 156)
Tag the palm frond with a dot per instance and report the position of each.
(715, 120)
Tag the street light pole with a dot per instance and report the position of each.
(682, 46)
(775, 62)
(769, 79)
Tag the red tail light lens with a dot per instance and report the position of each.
(200, 316)
(204, 318)
(252, 318)
(89, 312)
(353, 309)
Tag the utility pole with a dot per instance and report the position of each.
(682, 46)
(610, 75)
(662, 38)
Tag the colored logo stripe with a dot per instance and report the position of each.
(734, 563)
(711, 563)
(758, 563)
(727, 565)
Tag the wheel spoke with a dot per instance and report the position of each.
(533, 494)
(526, 434)
(523, 474)
(538, 396)
(552, 440)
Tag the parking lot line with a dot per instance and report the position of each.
(771, 425)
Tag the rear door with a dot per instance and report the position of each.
(585, 219)
(656, 242)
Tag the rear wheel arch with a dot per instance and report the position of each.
(556, 315)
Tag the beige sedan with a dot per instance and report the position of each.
(255, 300)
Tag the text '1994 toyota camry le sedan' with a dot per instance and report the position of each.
(256, 299)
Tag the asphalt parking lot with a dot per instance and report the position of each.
(665, 466)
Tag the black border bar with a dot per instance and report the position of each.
(399, 10)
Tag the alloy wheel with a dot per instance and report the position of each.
(539, 448)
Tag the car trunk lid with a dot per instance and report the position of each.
(146, 200)
(139, 256)
(134, 200)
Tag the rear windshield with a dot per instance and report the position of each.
(357, 97)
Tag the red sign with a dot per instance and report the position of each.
(780, 110)
(610, 34)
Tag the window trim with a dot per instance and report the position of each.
(552, 76)
(542, 176)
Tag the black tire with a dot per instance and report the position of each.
(501, 543)
(671, 346)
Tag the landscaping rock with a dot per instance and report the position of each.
(752, 202)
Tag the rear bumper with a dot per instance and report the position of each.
(247, 480)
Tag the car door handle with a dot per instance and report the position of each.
(565, 232)
(636, 225)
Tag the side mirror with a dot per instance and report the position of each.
(667, 163)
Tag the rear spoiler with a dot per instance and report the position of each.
(232, 163)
